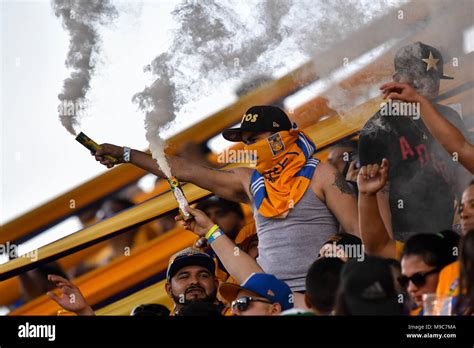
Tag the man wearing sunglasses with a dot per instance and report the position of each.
(260, 294)
(289, 188)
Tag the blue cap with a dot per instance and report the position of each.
(264, 285)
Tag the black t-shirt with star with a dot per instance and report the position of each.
(421, 172)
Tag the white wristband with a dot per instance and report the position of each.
(126, 154)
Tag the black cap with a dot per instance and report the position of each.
(263, 118)
(369, 288)
(189, 257)
(420, 59)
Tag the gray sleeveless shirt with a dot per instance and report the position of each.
(287, 247)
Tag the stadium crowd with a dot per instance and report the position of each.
(384, 227)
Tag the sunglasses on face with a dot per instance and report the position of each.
(419, 279)
(242, 304)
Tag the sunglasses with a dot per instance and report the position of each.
(419, 279)
(242, 304)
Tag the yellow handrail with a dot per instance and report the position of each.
(319, 145)
(350, 47)
(115, 179)
(333, 129)
(155, 293)
(323, 133)
(120, 274)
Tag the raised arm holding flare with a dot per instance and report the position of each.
(228, 184)
(289, 187)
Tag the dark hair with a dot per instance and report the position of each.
(450, 238)
(340, 306)
(216, 201)
(465, 303)
(436, 250)
(347, 143)
(322, 282)
(150, 310)
(368, 288)
(114, 205)
(200, 308)
(51, 268)
(125, 203)
(343, 239)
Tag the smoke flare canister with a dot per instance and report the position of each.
(93, 146)
(180, 198)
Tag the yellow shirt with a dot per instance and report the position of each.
(245, 235)
(398, 250)
(448, 281)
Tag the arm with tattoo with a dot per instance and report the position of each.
(341, 184)
(338, 196)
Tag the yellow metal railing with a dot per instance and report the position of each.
(115, 179)
(120, 274)
(351, 47)
(332, 128)
(323, 133)
(155, 293)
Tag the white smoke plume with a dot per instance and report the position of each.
(220, 41)
(81, 19)
(203, 50)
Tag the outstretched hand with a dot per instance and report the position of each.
(70, 297)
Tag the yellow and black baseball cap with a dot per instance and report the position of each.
(261, 118)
